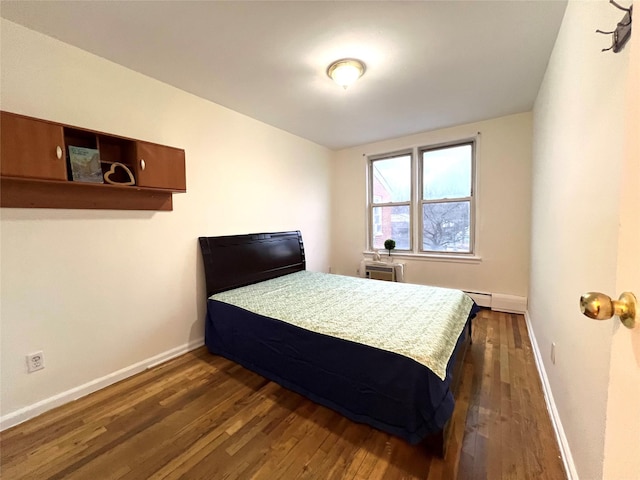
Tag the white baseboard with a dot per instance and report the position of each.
(565, 451)
(31, 411)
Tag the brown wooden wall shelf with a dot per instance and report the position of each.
(35, 169)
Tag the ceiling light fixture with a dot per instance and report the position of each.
(346, 71)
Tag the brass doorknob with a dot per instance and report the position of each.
(599, 306)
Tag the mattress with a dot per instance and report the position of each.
(306, 331)
(417, 321)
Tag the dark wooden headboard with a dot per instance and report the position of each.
(237, 260)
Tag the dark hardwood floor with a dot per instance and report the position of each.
(203, 417)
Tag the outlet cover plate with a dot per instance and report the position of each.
(35, 361)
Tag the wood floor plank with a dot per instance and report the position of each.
(203, 416)
(325, 456)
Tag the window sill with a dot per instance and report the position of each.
(429, 257)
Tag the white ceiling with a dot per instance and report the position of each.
(430, 64)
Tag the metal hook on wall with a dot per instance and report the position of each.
(622, 33)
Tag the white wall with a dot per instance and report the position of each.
(578, 146)
(503, 170)
(99, 291)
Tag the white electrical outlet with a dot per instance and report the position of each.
(35, 361)
(553, 353)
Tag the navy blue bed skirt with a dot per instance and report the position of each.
(388, 391)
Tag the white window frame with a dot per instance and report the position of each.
(416, 202)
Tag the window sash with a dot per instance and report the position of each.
(373, 232)
(464, 201)
(448, 199)
(433, 148)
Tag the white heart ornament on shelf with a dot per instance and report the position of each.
(112, 170)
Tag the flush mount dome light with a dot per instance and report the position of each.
(346, 71)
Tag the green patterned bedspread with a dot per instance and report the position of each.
(417, 321)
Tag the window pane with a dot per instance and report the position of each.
(394, 223)
(392, 179)
(446, 173)
(446, 227)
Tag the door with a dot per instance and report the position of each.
(622, 430)
(160, 167)
(32, 148)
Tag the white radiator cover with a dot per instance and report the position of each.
(500, 302)
(508, 303)
(481, 299)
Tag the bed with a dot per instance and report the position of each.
(305, 331)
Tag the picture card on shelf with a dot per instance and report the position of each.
(85, 164)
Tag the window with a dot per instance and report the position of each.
(441, 205)
(391, 200)
(446, 198)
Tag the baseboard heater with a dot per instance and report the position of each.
(500, 302)
(481, 299)
(508, 303)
